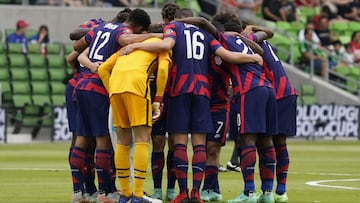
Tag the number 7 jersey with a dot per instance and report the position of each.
(189, 74)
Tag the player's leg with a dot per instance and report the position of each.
(266, 150)
(179, 110)
(201, 124)
(157, 156)
(234, 127)
(287, 127)
(170, 167)
(214, 141)
(252, 107)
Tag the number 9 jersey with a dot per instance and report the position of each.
(189, 73)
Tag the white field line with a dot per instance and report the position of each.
(318, 184)
(33, 169)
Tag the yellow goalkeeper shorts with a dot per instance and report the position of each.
(130, 110)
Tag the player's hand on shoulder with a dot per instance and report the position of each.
(95, 66)
(259, 60)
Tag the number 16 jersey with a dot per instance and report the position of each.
(189, 74)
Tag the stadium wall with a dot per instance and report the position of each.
(60, 20)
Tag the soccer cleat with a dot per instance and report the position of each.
(204, 195)
(232, 167)
(281, 198)
(266, 197)
(78, 197)
(147, 198)
(195, 196)
(109, 198)
(157, 193)
(214, 196)
(170, 194)
(91, 198)
(242, 198)
(222, 169)
(124, 199)
(182, 198)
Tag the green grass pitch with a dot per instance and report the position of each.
(39, 173)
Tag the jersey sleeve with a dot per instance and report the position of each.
(169, 31)
(105, 69)
(214, 44)
(89, 35)
(164, 61)
(121, 31)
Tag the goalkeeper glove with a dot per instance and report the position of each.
(157, 108)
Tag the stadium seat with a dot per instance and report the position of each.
(4, 63)
(37, 61)
(4, 74)
(56, 62)
(308, 95)
(47, 118)
(2, 47)
(30, 33)
(15, 48)
(57, 93)
(354, 26)
(339, 28)
(21, 94)
(57, 74)
(6, 94)
(295, 27)
(34, 48)
(283, 25)
(53, 49)
(40, 93)
(343, 70)
(68, 48)
(345, 39)
(39, 75)
(19, 74)
(18, 61)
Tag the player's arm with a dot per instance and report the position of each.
(262, 33)
(105, 69)
(72, 60)
(85, 61)
(126, 39)
(200, 22)
(78, 33)
(80, 45)
(163, 46)
(237, 57)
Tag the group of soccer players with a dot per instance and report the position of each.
(194, 63)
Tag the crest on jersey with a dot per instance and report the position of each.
(218, 60)
(169, 31)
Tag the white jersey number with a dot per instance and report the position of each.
(94, 52)
(194, 47)
(246, 49)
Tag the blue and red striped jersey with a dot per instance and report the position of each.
(191, 52)
(103, 42)
(246, 76)
(275, 71)
(91, 23)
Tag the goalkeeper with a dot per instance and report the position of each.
(126, 79)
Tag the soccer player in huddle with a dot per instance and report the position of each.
(90, 93)
(189, 95)
(158, 134)
(127, 80)
(89, 188)
(286, 97)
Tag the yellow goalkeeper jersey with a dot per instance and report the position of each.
(130, 73)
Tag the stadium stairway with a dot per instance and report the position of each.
(325, 92)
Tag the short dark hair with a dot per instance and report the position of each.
(139, 18)
(168, 11)
(156, 28)
(224, 17)
(183, 13)
(232, 27)
(121, 16)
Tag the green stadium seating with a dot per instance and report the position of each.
(37, 62)
(34, 48)
(4, 74)
(283, 25)
(21, 94)
(30, 33)
(57, 74)
(19, 74)
(345, 39)
(354, 26)
(39, 75)
(308, 95)
(56, 62)
(339, 28)
(41, 93)
(4, 63)
(53, 49)
(15, 48)
(18, 61)
(6, 94)
(47, 116)
(2, 47)
(68, 48)
(343, 70)
(57, 93)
